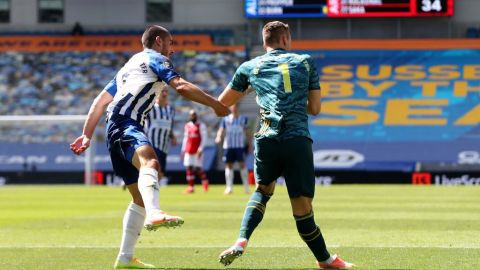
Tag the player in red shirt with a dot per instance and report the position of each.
(192, 151)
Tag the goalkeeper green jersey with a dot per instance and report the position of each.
(282, 81)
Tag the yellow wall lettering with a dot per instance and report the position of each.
(461, 88)
(444, 72)
(410, 72)
(471, 72)
(336, 72)
(356, 116)
(401, 112)
(429, 89)
(384, 72)
(471, 118)
(376, 90)
(337, 89)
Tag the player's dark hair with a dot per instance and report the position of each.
(151, 33)
(273, 31)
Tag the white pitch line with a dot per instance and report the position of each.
(223, 246)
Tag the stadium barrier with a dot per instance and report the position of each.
(322, 178)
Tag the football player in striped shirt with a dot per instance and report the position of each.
(159, 129)
(129, 97)
(235, 142)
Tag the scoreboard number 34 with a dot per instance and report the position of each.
(431, 5)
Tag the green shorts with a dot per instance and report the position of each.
(292, 159)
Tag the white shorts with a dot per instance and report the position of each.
(192, 160)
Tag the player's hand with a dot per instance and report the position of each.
(173, 141)
(80, 145)
(220, 109)
(182, 155)
(218, 140)
(200, 153)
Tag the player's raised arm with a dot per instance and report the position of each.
(94, 114)
(192, 92)
(230, 96)
(237, 87)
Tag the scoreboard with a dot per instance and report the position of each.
(346, 8)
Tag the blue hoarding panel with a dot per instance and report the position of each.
(58, 157)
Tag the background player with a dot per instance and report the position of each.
(236, 141)
(194, 138)
(287, 87)
(159, 129)
(130, 96)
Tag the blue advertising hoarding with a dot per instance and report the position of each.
(396, 107)
(58, 157)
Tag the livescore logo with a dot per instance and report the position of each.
(445, 179)
(421, 178)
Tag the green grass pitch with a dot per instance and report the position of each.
(373, 226)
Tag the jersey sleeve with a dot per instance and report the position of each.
(239, 81)
(314, 81)
(163, 67)
(111, 87)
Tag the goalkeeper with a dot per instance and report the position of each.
(287, 87)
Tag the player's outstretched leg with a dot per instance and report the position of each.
(149, 189)
(311, 234)
(162, 219)
(253, 215)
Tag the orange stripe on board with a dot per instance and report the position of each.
(104, 43)
(386, 44)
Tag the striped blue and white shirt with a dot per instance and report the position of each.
(159, 125)
(137, 83)
(234, 128)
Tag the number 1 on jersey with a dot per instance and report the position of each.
(287, 85)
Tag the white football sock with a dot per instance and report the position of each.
(132, 226)
(331, 259)
(244, 176)
(149, 188)
(229, 177)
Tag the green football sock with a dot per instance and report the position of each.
(311, 234)
(253, 213)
